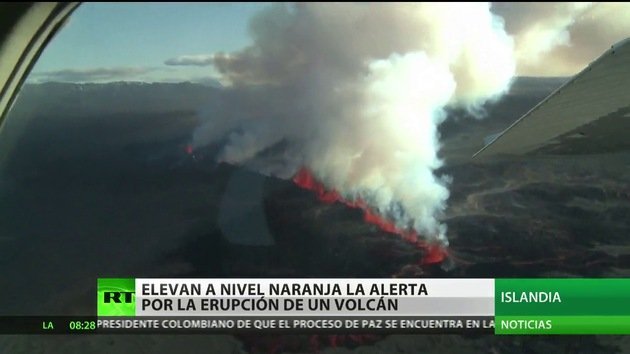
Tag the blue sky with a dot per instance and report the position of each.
(131, 41)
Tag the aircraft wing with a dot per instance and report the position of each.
(588, 114)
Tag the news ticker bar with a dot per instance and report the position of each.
(521, 325)
(514, 306)
(499, 306)
(247, 325)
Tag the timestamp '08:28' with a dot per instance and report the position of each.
(82, 325)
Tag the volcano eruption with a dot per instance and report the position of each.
(356, 100)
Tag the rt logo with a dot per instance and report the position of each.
(118, 297)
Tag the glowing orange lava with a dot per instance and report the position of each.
(433, 253)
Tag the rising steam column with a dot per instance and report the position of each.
(562, 306)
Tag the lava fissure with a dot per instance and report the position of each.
(433, 253)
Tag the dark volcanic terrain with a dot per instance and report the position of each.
(95, 182)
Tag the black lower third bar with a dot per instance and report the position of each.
(47, 324)
(257, 325)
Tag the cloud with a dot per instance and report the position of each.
(192, 60)
(551, 38)
(92, 74)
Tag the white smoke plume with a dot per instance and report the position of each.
(355, 93)
(539, 27)
(560, 39)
